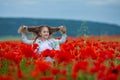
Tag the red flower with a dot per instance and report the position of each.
(98, 67)
(19, 73)
(118, 56)
(5, 77)
(113, 73)
(47, 78)
(15, 56)
(42, 66)
(80, 66)
(55, 71)
(109, 54)
(63, 56)
(47, 52)
(64, 72)
(28, 51)
(74, 75)
(101, 76)
(35, 46)
(35, 72)
(88, 51)
(62, 78)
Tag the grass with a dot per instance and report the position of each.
(103, 38)
(9, 38)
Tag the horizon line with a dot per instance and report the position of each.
(64, 19)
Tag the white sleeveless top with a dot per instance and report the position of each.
(43, 45)
(48, 44)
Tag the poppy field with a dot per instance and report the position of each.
(80, 58)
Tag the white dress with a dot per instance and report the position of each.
(48, 44)
(43, 45)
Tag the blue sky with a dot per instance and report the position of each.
(91, 10)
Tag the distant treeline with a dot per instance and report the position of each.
(9, 26)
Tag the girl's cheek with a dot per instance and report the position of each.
(46, 35)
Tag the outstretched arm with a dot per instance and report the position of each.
(26, 40)
(22, 30)
(64, 36)
(63, 39)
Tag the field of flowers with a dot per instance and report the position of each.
(80, 58)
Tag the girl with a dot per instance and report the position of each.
(42, 38)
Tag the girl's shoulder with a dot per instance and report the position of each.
(38, 41)
(52, 39)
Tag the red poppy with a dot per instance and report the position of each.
(83, 65)
(35, 46)
(15, 56)
(47, 52)
(63, 56)
(97, 67)
(47, 78)
(55, 71)
(42, 66)
(62, 78)
(64, 72)
(28, 51)
(74, 75)
(35, 72)
(5, 77)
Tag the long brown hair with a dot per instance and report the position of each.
(37, 29)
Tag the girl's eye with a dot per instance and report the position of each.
(46, 31)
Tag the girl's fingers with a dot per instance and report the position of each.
(19, 30)
(63, 29)
(22, 29)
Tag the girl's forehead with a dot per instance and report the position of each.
(45, 27)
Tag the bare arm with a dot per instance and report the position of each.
(26, 40)
(22, 30)
(62, 40)
(64, 36)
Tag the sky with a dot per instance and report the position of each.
(107, 11)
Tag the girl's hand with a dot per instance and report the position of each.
(63, 29)
(22, 30)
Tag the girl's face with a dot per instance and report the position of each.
(44, 33)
